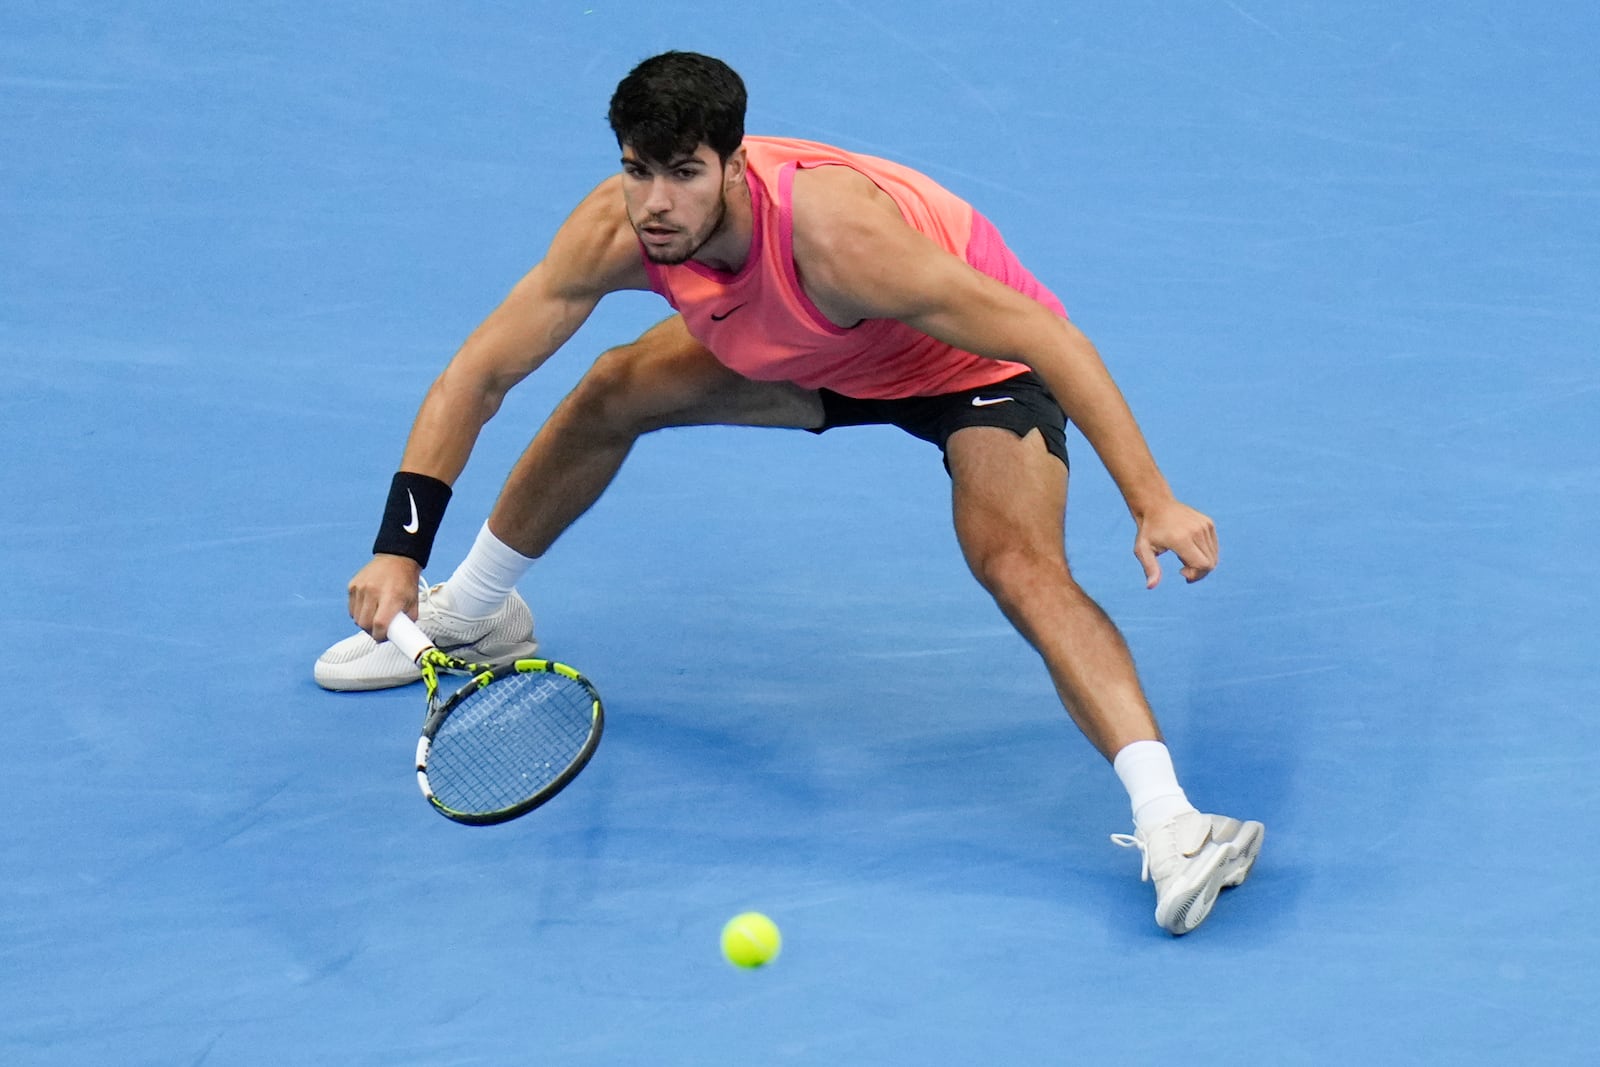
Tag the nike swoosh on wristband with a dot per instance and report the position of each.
(415, 524)
(985, 401)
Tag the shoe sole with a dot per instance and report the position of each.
(1191, 909)
(363, 685)
(1231, 867)
(1247, 846)
(332, 681)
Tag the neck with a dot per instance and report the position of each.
(728, 248)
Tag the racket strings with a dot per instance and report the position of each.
(506, 743)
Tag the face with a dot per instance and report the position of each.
(676, 207)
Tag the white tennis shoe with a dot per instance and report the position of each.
(1191, 858)
(358, 662)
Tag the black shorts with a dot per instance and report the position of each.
(1017, 404)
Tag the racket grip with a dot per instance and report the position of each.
(408, 637)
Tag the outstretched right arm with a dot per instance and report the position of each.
(594, 253)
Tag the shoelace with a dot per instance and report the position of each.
(1130, 841)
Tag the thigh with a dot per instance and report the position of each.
(1020, 404)
(667, 378)
(1009, 493)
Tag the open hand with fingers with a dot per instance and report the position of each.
(1177, 528)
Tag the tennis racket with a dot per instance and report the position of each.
(508, 740)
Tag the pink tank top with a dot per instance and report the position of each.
(760, 323)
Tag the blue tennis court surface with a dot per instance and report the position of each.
(1342, 259)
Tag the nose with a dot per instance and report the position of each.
(657, 200)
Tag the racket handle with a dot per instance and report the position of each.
(408, 637)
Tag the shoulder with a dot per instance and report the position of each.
(840, 216)
(596, 251)
(835, 201)
(859, 257)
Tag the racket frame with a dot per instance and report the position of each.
(409, 638)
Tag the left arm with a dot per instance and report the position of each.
(859, 259)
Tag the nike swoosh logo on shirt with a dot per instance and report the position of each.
(414, 525)
(985, 401)
(718, 318)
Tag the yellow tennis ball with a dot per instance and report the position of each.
(750, 940)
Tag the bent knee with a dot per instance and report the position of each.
(615, 393)
(1012, 573)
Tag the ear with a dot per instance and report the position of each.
(733, 169)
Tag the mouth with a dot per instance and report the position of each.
(658, 235)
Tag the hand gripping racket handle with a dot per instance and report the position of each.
(408, 637)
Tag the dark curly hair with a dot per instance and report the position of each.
(672, 103)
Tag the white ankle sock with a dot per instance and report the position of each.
(1145, 768)
(486, 577)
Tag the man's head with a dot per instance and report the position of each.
(671, 104)
(679, 120)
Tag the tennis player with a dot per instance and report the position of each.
(814, 288)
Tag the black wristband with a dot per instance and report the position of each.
(412, 516)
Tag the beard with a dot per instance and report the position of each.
(667, 257)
